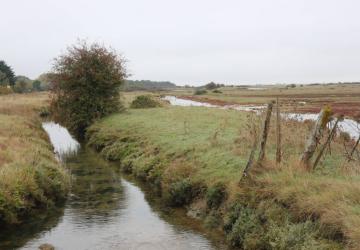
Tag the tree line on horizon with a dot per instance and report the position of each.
(134, 85)
(9, 82)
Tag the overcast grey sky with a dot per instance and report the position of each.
(193, 41)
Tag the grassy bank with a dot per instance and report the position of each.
(30, 177)
(194, 157)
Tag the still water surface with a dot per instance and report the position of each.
(106, 211)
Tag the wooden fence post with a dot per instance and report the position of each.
(265, 132)
(252, 154)
(278, 132)
(331, 135)
(315, 137)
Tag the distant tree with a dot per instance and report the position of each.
(211, 85)
(291, 85)
(7, 70)
(21, 87)
(131, 85)
(23, 84)
(22, 79)
(45, 82)
(85, 85)
(36, 85)
(4, 80)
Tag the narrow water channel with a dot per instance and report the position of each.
(105, 211)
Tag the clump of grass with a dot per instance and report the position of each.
(200, 92)
(297, 236)
(250, 228)
(244, 229)
(216, 91)
(180, 193)
(215, 195)
(144, 101)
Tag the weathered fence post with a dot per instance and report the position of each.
(315, 137)
(278, 132)
(265, 131)
(252, 153)
(331, 135)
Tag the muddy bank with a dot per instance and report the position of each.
(299, 104)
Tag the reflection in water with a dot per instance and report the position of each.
(105, 211)
(16, 236)
(64, 144)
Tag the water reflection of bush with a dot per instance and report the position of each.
(17, 236)
(97, 194)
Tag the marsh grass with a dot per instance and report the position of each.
(30, 177)
(214, 149)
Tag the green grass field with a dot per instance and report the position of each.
(194, 156)
(175, 146)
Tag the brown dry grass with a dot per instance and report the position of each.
(29, 174)
(332, 200)
(23, 104)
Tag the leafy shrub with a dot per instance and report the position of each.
(296, 236)
(180, 193)
(216, 91)
(200, 92)
(85, 86)
(144, 101)
(246, 231)
(215, 195)
(232, 216)
(248, 228)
